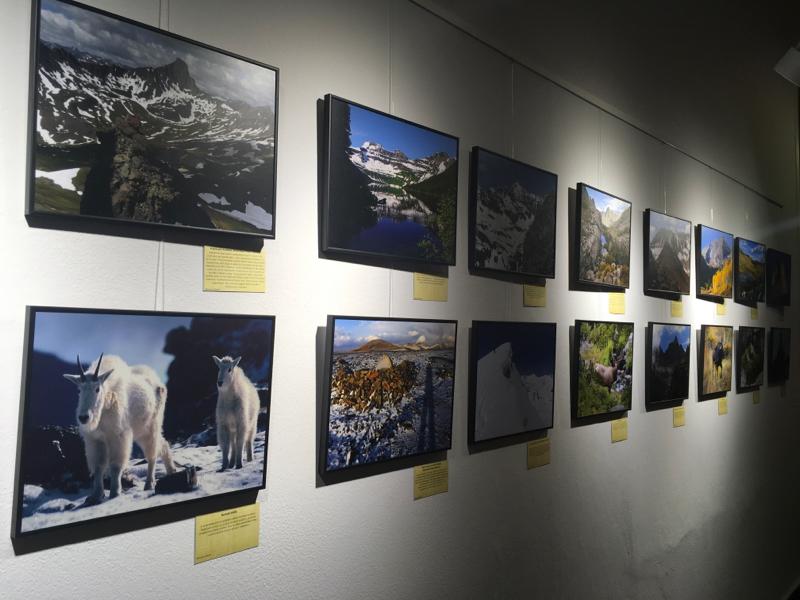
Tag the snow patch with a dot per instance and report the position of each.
(213, 199)
(255, 215)
(62, 178)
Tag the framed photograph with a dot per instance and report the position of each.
(512, 216)
(714, 252)
(668, 259)
(779, 355)
(668, 347)
(390, 187)
(130, 123)
(130, 411)
(750, 351)
(603, 253)
(749, 271)
(512, 379)
(779, 278)
(389, 389)
(603, 367)
(716, 359)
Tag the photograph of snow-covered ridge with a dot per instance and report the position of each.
(391, 187)
(390, 389)
(136, 124)
(513, 207)
(123, 411)
(513, 374)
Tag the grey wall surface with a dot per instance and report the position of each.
(704, 511)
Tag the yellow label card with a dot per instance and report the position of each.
(430, 287)
(228, 270)
(616, 303)
(756, 397)
(534, 295)
(722, 406)
(676, 309)
(619, 430)
(722, 309)
(226, 532)
(430, 479)
(754, 314)
(538, 453)
(678, 416)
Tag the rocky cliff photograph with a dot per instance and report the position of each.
(604, 238)
(716, 360)
(750, 354)
(390, 389)
(749, 271)
(136, 124)
(512, 378)
(603, 366)
(126, 411)
(513, 216)
(391, 186)
(714, 263)
(669, 356)
(669, 253)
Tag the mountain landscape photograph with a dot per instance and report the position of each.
(749, 271)
(604, 238)
(670, 348)
(603, 367)
(134, 124)
(513, 208)
(390, 389)
(714, 263)
(513, 370)
(750, 354)
(779, 278)
(669, 243)
(391, 186)
(717, 360)
(779, 355)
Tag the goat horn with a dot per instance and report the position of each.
(97, 368)
(80, 368)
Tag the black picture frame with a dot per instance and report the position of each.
(195, 205)
(779, 355)
(653, 279)
(583, 195)
(583, 375)
(368, 467)
(748, 284)
(658, 392)
(39, 364)
(747, 355)
(536, 334)
(482, 160)
(336, 222)
(779, 278)
(704, 270)
(706, 358)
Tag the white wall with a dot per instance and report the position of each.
(706, 511)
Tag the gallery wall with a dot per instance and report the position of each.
(707, 510)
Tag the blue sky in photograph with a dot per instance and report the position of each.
(709, 234)
(136, 339)
(349, 334)
(602, 201)
(754, 250)
(498, 172)
(664, 334)
(414, 142)
(532, 344)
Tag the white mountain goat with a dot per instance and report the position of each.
(120, 405)
(237, 412)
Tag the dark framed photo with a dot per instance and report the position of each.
(130, 123)
(389, 189)
(714, 252)
(512, 379)
(668, 259)
(668, 347)
(750, 353)
(716, 360)
(512, 217)
(779, 355)
(749, 271)
(389, 389)
(779, 278)
(131, 411)
(603, 253)
(603, 367)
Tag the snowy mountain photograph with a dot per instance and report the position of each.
(391, 186)
(669, 355)
(669, 244)
(604, 238)
(749, 271)
(390, 389)
(125, 411)
(512, 378)
(137, 124)
(714, 263)
(603, 366)
(513, 216)
(751, 345)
